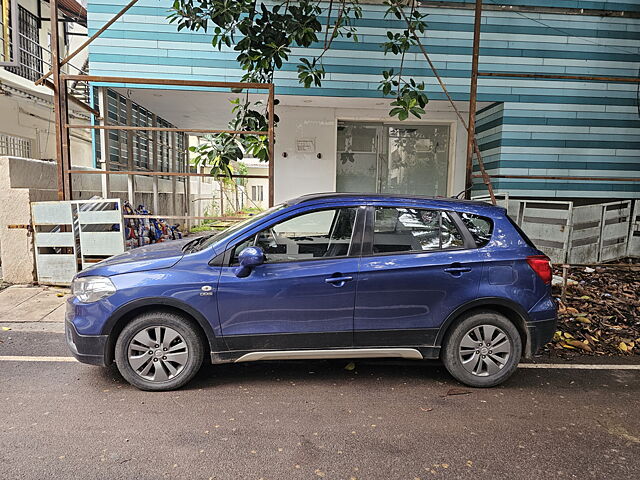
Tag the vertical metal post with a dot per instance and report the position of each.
(187, 184)
(104, 139)
(131, 187)
(473, 93)
(155, 167)
(271, 146)
(565, 275)
(173, 168)
(220, 185)
(60, 110)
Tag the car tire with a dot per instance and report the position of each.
(470, 356)
(159, 351)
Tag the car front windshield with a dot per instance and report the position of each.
(210, 240)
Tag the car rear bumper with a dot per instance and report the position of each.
(89, 349)
(540, 333)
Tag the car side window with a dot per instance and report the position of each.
(319, 234)
(402, 229)
(479, 227)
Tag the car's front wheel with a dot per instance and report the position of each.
(483, 349)
(159, 351)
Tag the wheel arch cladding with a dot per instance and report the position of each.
(122, 316)
(507, 308)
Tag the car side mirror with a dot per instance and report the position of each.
(249, 258)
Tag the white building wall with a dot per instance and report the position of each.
(26, 110)
(302, 173)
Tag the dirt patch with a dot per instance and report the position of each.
(601, 315)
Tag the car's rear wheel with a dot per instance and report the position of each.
(483, 349)
(159, 351)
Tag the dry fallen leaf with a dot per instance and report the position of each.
(457, 391)
(579, 344)
(350, 366)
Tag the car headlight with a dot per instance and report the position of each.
(92, 289)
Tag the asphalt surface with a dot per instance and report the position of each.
(311, 420)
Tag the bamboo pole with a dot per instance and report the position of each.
(6, 35)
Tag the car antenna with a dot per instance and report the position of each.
(462, 193)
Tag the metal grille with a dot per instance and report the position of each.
(122, 111)
(15, 146)
(30, 49)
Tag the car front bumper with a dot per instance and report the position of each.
(91, 349)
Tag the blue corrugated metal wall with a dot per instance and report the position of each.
(544, 127)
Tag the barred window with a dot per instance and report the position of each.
(13, 146)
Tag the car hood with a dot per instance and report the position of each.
(151, 257)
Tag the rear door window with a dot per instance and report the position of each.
(404, 230)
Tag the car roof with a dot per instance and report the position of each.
(378, 197)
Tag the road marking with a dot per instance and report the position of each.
(26, 358)
(549, 366)
(576, 366)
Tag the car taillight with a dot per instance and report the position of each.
(541, 264)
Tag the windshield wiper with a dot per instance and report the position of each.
(190, 246)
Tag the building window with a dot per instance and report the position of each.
(29, 45)
(141, 117)
(118, 139)
(257, 193)
(168, 148)
(15, 146)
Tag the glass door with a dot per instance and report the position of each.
(386, 158)
(358, 152)
(415, 160)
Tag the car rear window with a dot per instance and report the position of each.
(479, 227)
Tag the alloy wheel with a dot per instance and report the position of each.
(157, 353)
(484, 350)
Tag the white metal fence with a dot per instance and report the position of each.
(577, 234)
(74, 234)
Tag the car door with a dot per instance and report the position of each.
(417, 267)
(303, 295)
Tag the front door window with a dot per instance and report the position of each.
(318, 234)
(401, 159)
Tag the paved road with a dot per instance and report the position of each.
(311, 420)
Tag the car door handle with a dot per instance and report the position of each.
(338, 281)
(456, 269)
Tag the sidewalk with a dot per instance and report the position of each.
(22, 304)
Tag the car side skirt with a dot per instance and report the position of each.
(418, 353)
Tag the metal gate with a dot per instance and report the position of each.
(74, 234)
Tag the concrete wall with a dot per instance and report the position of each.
(23, 181)
(18, 188)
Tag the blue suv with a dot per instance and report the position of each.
(322, 276)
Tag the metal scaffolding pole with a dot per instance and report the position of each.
(473, 97)
(60, 108)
